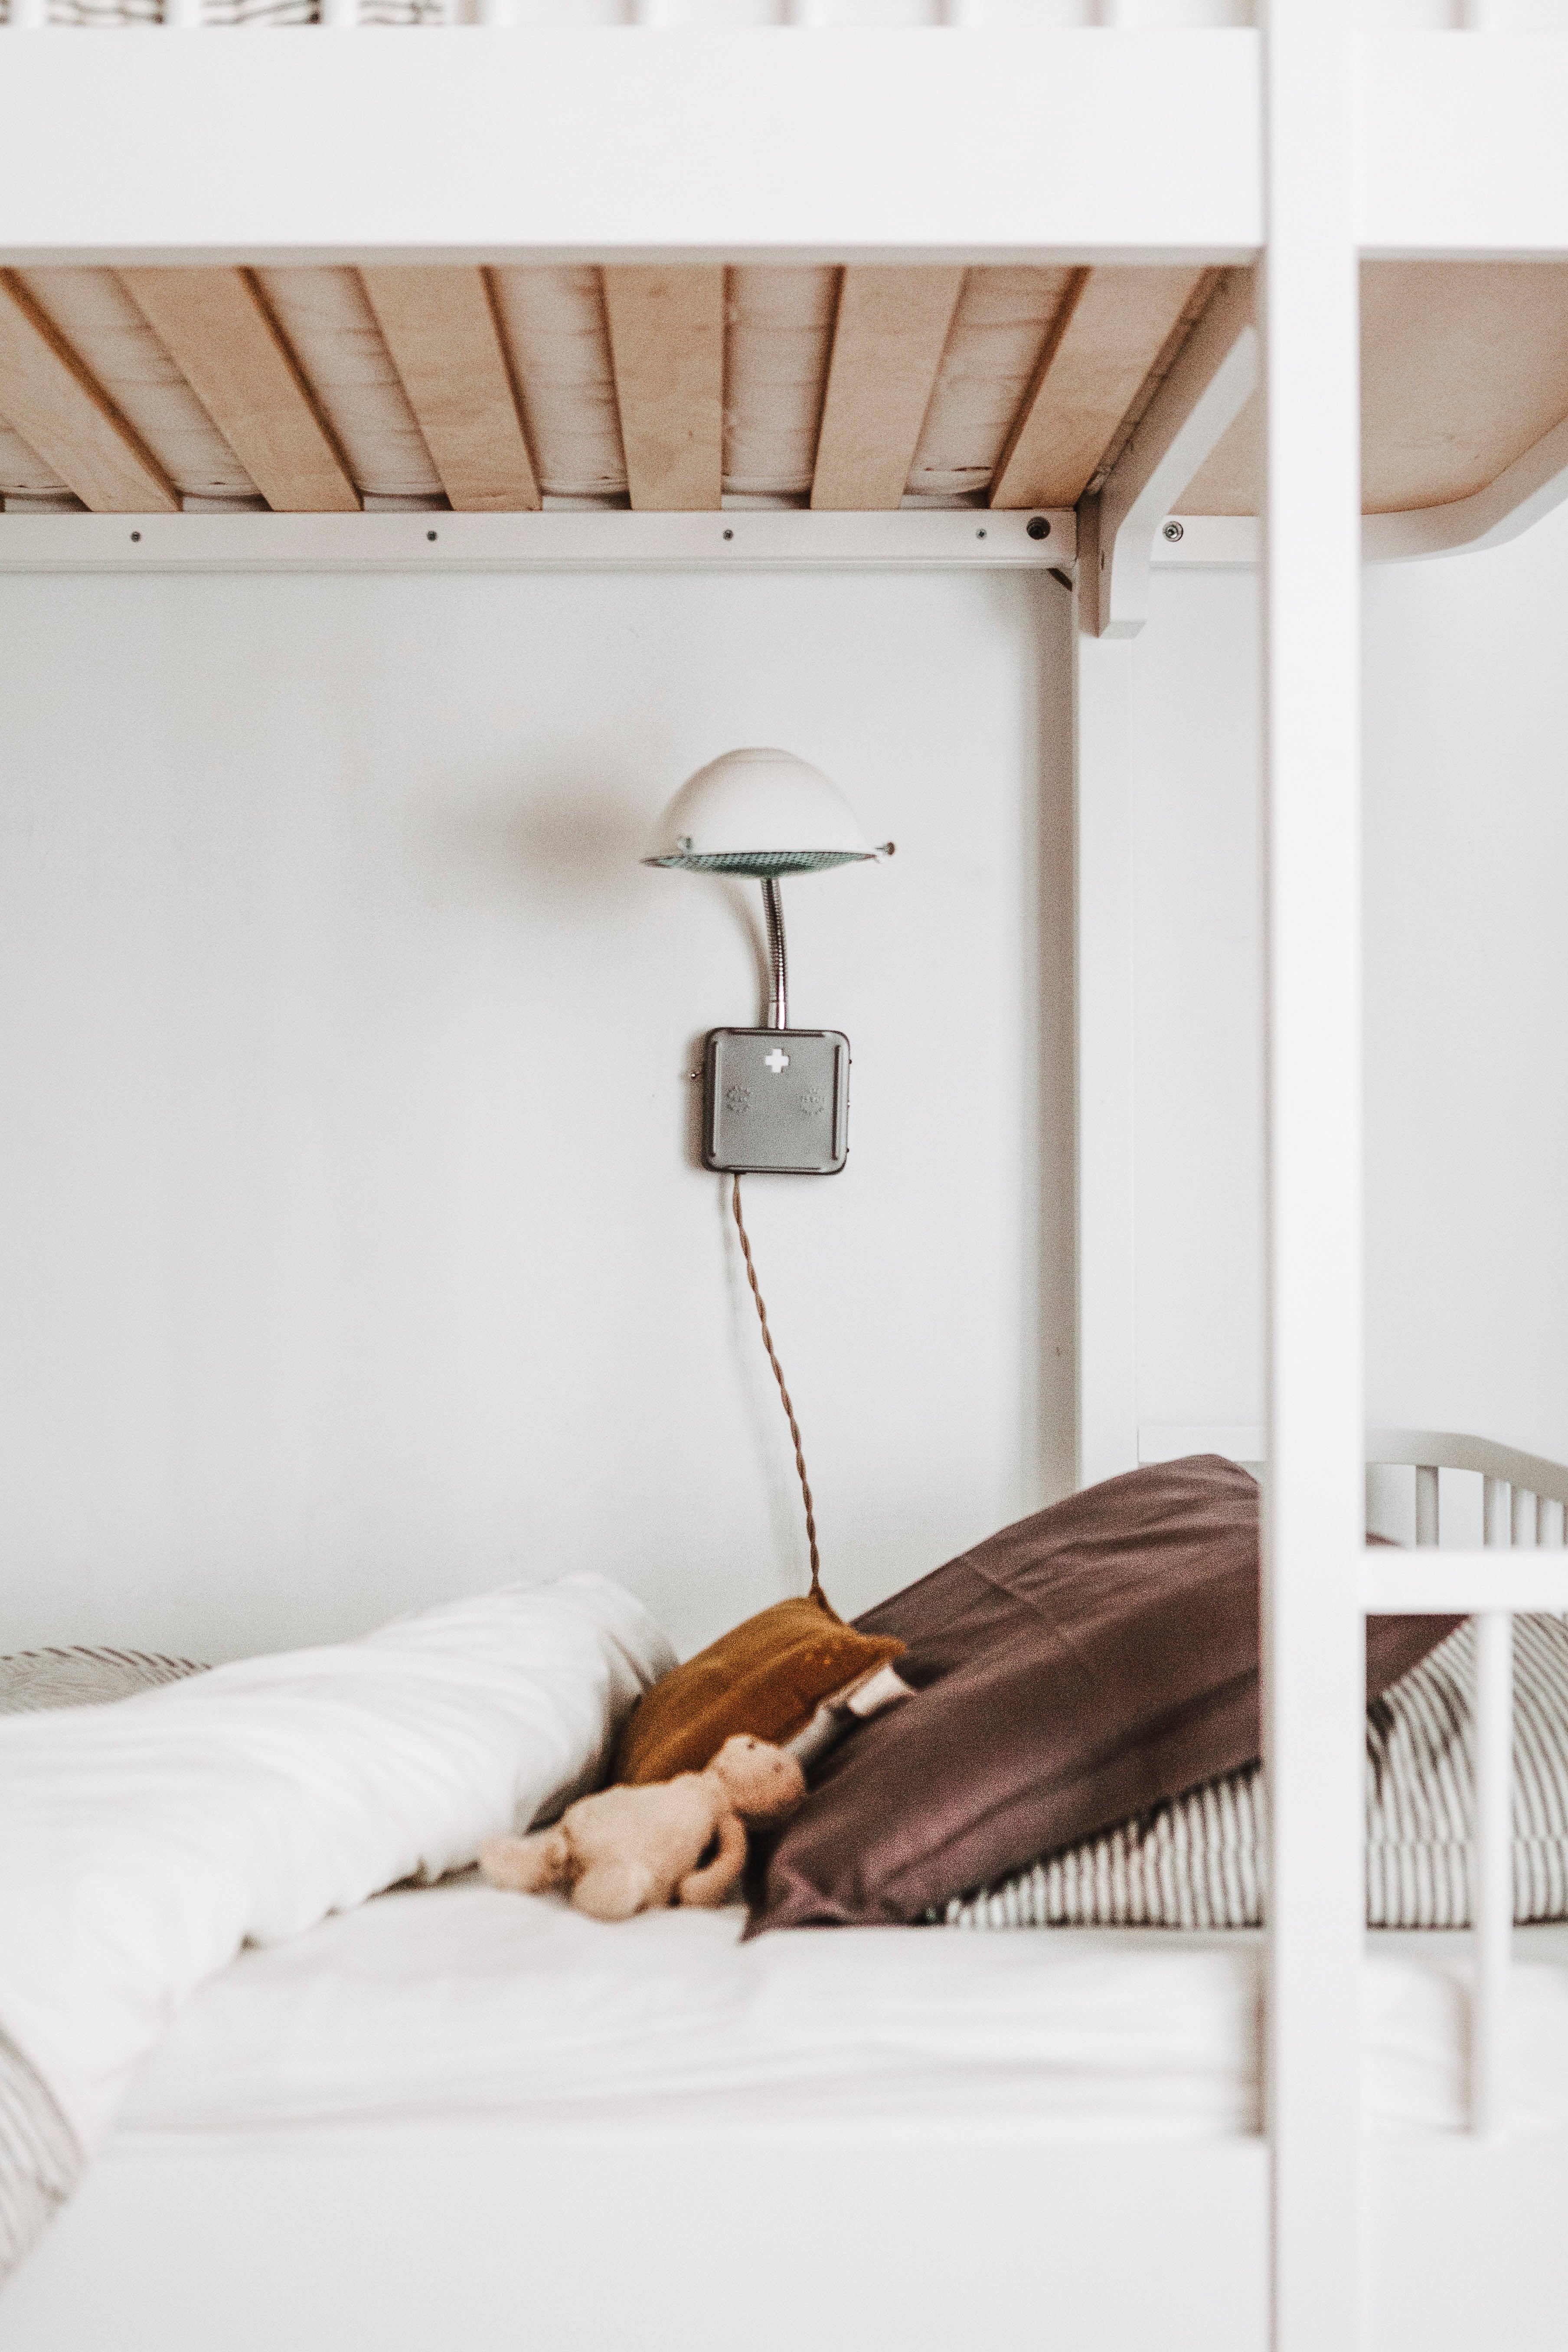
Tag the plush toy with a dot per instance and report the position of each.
(629, 1849)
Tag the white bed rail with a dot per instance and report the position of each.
(1523, 1499)
(1524, 1506)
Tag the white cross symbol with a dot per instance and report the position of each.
(777, 1062)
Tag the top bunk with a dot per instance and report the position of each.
(818, 263)
(322, 413)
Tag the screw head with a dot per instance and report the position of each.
(1038, 527)
(1173, 530)
(431, 534)
(729, 534)
(135, 535)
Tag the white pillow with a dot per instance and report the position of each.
(143, 1843)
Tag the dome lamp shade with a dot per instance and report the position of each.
(763, 813)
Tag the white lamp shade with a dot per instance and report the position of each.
(760, 813)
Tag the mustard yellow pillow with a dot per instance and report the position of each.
(767, 1676)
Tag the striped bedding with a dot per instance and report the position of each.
(1200, 1861)
(40, 2161)
(42, 1678)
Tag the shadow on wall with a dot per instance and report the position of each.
(574, 846)
(561, 839)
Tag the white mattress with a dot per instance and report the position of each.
(460, 2003)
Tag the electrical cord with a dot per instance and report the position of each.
(816, 1592)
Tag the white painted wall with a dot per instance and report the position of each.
(351, 1252)
(1466, 990)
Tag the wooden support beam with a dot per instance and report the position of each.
(666, 346)
(48, 397)
(1108, 335)
(220, 334)
(887, 343)
(440, 327)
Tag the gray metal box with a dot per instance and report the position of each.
(776, 1101)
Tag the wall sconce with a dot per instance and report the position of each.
(775, 1100)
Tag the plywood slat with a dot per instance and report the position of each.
(218, 331)
(48, 396)
(667, 344)
(440, 327)
(1108, 337)
(1464, 370)
(888, 342)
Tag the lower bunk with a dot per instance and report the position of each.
(449, 2117)
(314, 2082)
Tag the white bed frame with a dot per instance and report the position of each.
(1298, 146)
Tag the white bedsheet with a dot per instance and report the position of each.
(142, 1843)
(461, 2003)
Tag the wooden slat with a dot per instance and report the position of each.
(220, 334)
(1464, 368)
(1109, 335)
(48, 397)
(440, 328)
(888, 342)
(666, 346)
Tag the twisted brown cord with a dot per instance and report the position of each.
(816, 1592)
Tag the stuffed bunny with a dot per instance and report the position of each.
(631, 1850)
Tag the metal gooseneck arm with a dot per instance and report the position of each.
(778, 975)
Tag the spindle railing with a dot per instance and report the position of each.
(1524, 1508)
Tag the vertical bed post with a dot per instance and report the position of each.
(1313, 1630)
(1102, 828)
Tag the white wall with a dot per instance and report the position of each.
(1467, 992)
(352, 1254)
(351, 1251)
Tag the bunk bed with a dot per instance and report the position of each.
(1003, 290)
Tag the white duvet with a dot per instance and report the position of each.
(143, 1843)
